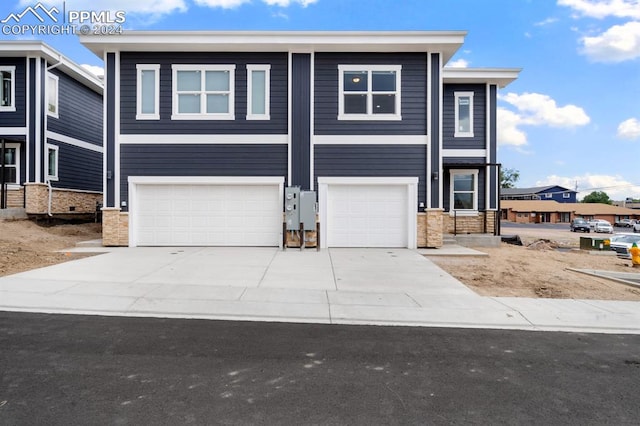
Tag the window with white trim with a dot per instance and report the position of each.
(12, 163)
(548, 195)
(52, 95)
(203, 92)
(464, 191)
(148, 92)
(566, 195)
(369, 92)
(52, 162)
(8, 88)
(463, 114)
(258, 92)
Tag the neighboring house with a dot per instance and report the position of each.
(538, 211)
(51, 124)
(546, 193)
(204, 131)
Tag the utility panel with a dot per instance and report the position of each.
(292, 208)
(308, 210)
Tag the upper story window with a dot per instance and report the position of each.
(464, 191)
(7, 89)
(11, 163)
(463, 114)
(566, 195)
(52, 95)
(52, 162)
(369, 92)
(258, 92)
(148, 92)
(203, 92)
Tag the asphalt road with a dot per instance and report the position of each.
(80, 370)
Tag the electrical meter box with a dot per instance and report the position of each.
(308, 210)
(292, 208)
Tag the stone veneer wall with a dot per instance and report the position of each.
(63, 201)
(15, 198)
(115, 228)
(470, 224)
(434, 227)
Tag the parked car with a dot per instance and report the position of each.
(625, 223)
(621, 243)
(592, 222)
(579, 224)
(636, 226)
(603, 226)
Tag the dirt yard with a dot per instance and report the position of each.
(24, 245)
(507, 271)
(541, 270)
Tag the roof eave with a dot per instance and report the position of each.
(502, 77)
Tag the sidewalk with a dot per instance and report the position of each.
(336, 286)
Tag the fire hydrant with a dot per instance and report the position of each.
(635, 255)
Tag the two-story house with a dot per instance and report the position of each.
(51, 132)
(545, 193)
(204, 130)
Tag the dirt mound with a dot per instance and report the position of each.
(543, 244)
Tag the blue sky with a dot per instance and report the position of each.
(573, 116)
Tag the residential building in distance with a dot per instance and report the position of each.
(538, 211)
(545, 193)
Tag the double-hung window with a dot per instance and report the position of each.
(52, 95)
(148, 92)
(52, 162)
(463, 114)
(8, 89)
(258, 92)
(369, 92)
(203, 92)
(464, 191)
(11, 163)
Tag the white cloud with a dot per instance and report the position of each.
(93, 69)
(151, 7)
(458, 63)
(616, 187)
(629, 129)
(230, 4)
(619, 43)
(508, 131)
(601, 9)
(547, 21)
(287, 3)
(537, 109)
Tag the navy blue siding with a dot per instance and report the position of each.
(373, 161)
(19, 117)
(481, 187)
(33, 63)
(301, 121)
(493, 143)
(478, 141)
(110, 90)
(413, 92)
(78, 168)
(435, 130)
(79, 111)
(278, 124)
(200, 160)
(557, 195)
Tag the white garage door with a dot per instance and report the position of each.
(367, 216)
(207, 215)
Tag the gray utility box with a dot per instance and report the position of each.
(308, 210)
(292, 208)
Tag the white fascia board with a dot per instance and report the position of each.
(370, 140)
(500, 76)
(206, 180)
(362, 180)
(73, 141)
(183, 139)
(475, 153)
(13, 131)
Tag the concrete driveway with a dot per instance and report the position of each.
(346, 286)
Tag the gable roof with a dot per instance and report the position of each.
(533, 190)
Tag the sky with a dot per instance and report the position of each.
(572, 118)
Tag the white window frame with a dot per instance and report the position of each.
(370, 115)
(16, 166)
(12, 107)
(55, 148)
(156, 96)
(267, 91)
(457, 132)
(53, 77)
(463, 212)
(566, 195)
(203, 115)
(548, 195)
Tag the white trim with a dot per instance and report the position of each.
(14, 131)
(15, 146)
(73, 141)
(457, 132)
(134, 181)
(55, 148)
(116, 134)
(312, 128)
(27, 115)
(267, 95)
(156, 95)
(105, 124)
(56, 113)
(182, 139)
(464, 212)
(38, 115)
(440, 132)
(289, 116)
(412, 201)
(487, 172)
(12, 100)
(371, 140)
(475, 153)
(203, 115)
(429, 155)
(369, 115)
